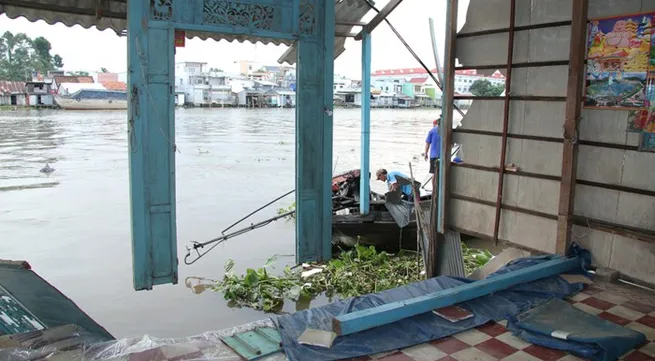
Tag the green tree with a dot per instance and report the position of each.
(57, 61)
(104, 70)
(20, 56)
(484, 88)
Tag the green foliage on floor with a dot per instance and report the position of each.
(355, 272)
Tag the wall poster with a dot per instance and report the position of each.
(647, 142)
(618, 57)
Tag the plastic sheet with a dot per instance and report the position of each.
(203, 347)
(421, 328)
(559, 325)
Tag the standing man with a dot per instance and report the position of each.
(433, 146)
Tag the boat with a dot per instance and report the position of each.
(378, 228)
(93, 99)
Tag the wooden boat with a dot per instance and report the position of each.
(378, 228)
(93, 99)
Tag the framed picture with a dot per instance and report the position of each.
(618, 58)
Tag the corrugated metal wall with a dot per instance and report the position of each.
(615, 189)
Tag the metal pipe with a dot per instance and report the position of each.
(518, 28)
(535, 64)
(364, 179)
(503, 146)
(257, 210)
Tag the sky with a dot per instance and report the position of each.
(90, 49)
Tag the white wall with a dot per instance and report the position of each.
(618, 163)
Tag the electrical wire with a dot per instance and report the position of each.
(409, 48)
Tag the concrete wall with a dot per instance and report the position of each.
(619, 167)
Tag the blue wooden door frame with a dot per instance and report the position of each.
(151, 118)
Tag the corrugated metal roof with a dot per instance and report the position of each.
(112, 15)
(12, 87)
(115, 85)
(345, 11)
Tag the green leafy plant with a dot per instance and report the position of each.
(355, 272)
(290, 208)
(474, 258)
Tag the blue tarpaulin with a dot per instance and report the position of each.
(556, 324)
(421, 328)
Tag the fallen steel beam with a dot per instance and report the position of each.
(357, 321)
(379, 17)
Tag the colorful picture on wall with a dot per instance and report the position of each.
(618, 60)
(647, 142)
(644, 120)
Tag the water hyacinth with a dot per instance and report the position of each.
(355, 272)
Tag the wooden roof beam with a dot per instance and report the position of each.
(379, 17)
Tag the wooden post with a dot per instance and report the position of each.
(446, 126)
(503, 146)
(572, 114)
(314, 131)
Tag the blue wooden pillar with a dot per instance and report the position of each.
(315, 78)
(365, 180)
(151, 137)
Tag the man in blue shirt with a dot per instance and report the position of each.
(433, 146)
(394, 184)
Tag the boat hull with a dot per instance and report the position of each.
(90, 104)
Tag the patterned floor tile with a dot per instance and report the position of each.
(637, 356)
(640, 307)
(579, 297)
(472, 337)
(611, 297)
(520, 356)
(496, 348)
(586, 308)
(544, 353)
(424, 352)
(398, 356)
(648, 321)
(627, 313)
(473, 354)
(492, 329)
(647, 331)
(598, 303)
(447, 358)
(649, 349)
(450, 345)
(614, 318)
(513, 341)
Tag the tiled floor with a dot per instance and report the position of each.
(625, 306)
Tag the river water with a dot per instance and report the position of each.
(73, 225)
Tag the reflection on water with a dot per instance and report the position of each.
(73, 225)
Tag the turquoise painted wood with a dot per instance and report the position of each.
(314, 112)
(255, 344)
(151, 130)
(151, 123)
(365, 180)
(357, 321)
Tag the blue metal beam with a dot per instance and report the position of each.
(381, 315)
(365, 180)
(315, 78)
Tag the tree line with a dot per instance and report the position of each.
(21, 55)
